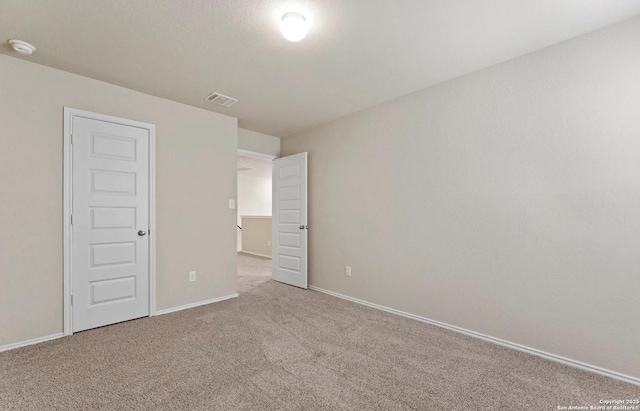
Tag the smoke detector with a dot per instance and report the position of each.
(242, 169)
(220, 99)
(22, 47)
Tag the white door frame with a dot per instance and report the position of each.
(255, 154)
(69, 113)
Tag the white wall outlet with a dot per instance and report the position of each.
(269, 242)
(232, 204)
(192, 276)
(347, 270)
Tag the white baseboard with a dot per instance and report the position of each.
(504, 343)
(199, 303)
(259, 255)
(159, 312)
(30, 342)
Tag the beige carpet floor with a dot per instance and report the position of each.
(280, 348)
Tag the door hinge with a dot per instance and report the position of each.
(71, 219)
(71, 138)
(72, 300)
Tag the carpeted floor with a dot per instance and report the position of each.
(252, 271)
(280, 348)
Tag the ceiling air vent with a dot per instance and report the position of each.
(220, 99)
(242, 168)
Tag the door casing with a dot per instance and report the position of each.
(69, 114)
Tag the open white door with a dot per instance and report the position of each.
(289, 233)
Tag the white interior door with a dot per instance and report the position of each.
(110, 223)
(289, 233)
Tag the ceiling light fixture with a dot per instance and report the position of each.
(293, 26)
(22, 47)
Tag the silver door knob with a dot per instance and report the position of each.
(301, 227)
(142, 233)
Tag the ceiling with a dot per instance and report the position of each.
(358, 53)
(261, 168)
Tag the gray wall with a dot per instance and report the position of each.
(196, 175)
(256, 235)
(505, 202)
(258, 142)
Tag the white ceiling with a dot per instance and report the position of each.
(261, 168)
(358, 53)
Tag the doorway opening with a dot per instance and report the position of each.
(254, 206)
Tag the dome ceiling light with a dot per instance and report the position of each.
(293, 26)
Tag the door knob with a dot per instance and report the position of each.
(142, 233)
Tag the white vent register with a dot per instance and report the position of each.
(220, 99)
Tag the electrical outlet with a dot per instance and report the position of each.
(232, 204)
(269, 242)
(347, 270)
(192, 276)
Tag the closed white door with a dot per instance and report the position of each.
(289, 233)
(110, 223)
